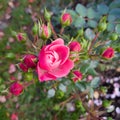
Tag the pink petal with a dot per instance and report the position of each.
(77, 74)
(48, 60)
(62, 51)
(63, 70)
(58, 41)
(44, 75)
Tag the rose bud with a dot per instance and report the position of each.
(16, 88)
(23, 67)
(14, 116)
(47, 15)
(66, 19)
(45, 31)
(75, 46)
(21, 37)
(78, 75)
(108, 53)
(30, 60)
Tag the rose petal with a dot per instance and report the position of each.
(48, 60)
(62, 51)
(44, 75)
(58, 41)
(63, 70)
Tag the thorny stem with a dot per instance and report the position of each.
(53, 31)
(62, 30)
(35, 39)
(93, 41)
(28, 83)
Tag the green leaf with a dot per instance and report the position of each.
(89, 34)
(81, 86)
(10, 55)
(110, 27)
(115, 12)
(91, 92)
(117, 28)
(79, 22)
(92, 23)
(95, 82)
(62, 87)
(111, 18)
(91, 13)
(92, 71)
(115, 4)
(93, 64)
(81, 10)
(103, 9)
(51, 93)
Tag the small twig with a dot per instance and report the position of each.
(62, 30)
(53, 31)
(93, 41)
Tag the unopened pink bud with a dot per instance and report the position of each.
(21, 37)
(78, 75)
(45, 31)
(16, 88)
(30, 60)
(23, 67)
(75, 46)
(66, 19)
(108, 53)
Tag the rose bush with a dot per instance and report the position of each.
(63, 66)
(53, 61)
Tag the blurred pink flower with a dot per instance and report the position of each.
(12, 68)
(2, 99)
(14, 116)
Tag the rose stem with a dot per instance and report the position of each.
(93, 41)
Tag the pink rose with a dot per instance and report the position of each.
(75, 46)
(77, 75)
(54, 61)
(66, 19)
(108, 53)
(16, 88)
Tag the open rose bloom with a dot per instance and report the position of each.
(54, 61)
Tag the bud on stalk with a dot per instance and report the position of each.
(66, 19)
(45, 31)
